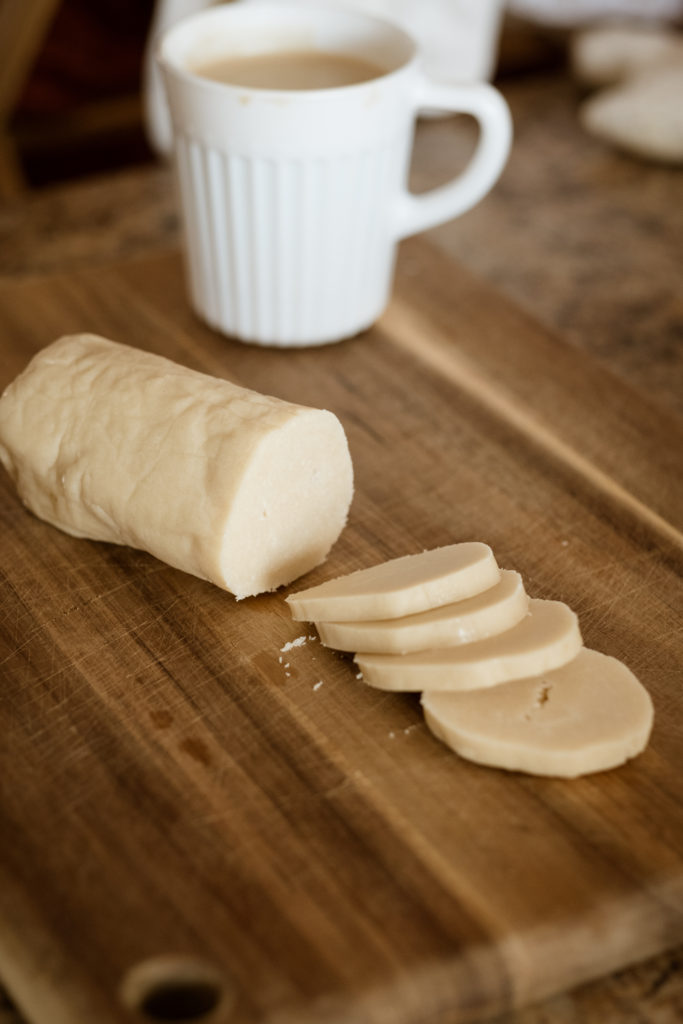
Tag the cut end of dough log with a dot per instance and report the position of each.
(291, 506)
(588, 716)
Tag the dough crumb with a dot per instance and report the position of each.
(316, 686)
(299, 642)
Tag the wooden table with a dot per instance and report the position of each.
(583, 240)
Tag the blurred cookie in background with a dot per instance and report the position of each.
(640, 110)
(610, 53)
(642, 116)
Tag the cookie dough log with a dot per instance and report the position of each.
(115, 444)
(590, 715)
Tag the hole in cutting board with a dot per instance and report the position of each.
(180, 1000)
(180, 989)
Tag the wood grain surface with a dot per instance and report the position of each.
(584, 238)
(177, 786)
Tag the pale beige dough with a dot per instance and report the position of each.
(116, 444)
(610, 53)
(402, 586)
(494, 610)
(590, 715)
(548, 636)
(643, 116)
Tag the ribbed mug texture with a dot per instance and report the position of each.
(287, 251)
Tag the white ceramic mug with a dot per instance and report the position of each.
(293, 201)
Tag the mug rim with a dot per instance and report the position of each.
(228, 11)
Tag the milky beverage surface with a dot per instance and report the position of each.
(300, 69)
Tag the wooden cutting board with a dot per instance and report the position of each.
(203, 825)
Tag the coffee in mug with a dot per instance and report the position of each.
(295, 69)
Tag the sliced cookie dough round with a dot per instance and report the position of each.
(590, 715)
(461, 622)
(547, 637)
(402, 586)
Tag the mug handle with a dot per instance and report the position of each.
(419, 212)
